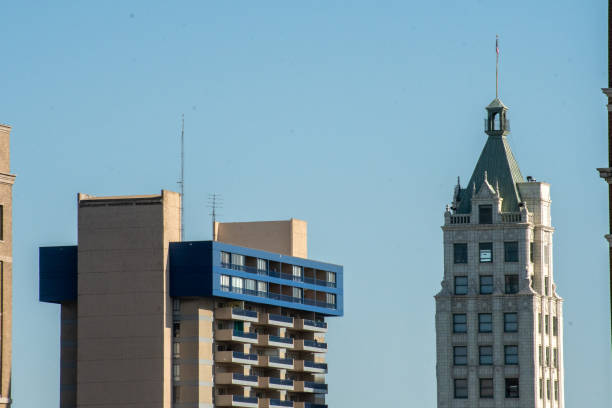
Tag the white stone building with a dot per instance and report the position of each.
(499, 320)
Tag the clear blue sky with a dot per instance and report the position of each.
(355, 116)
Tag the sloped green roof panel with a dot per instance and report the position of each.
(502, 169)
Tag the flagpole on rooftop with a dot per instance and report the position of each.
(496, 66)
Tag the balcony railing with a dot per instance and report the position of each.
(248, 400)
(246, 335)
(244, 312)
(278, 360)
(278, 339)
(244, 356)
(314, 323)
(280, 403)
(280, 318)
(316, 386)
(312, 405)
(243, 377)
(312, 364)
(314, 343)
(279, 381)
(459, 219)
(278, 296)
(277, 274)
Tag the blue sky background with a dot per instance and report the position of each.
(355, 116)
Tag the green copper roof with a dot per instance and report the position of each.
(497, 103)
(502, 169)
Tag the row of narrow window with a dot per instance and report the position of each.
(511, 284)
(485, 252)
(485, 355)
(548, 389)
(486, 388)
(545, 358)
(546, 320)
(485, 323)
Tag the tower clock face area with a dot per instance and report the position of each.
(498, 314)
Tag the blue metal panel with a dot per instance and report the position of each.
(58, 274)
(195, 269)
(191, 268)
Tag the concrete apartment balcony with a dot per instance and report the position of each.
(308, 405)
(273, 403)
(276, 320)
(275, 362)
(275, 383)
(235, 357)
(236, 401)
(234, 313)
(236, 379)
(310, 386)
(235, 335)
(268, 340)
(310, 366)
(310, 345)
(310, 325)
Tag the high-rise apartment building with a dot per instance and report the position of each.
(150, 321)
(6, 265)
(499, 320)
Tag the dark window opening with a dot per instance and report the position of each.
(485, 214)
(460, 253)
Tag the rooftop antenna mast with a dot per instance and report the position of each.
(182, 180)
(215, 201)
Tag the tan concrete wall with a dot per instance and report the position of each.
(6, 259)
(124, 311)
(285, 237)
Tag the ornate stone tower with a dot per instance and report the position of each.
(6, 265)
(499, 323)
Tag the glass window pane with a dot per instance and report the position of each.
(486, 284)
(461, 285)
(486, 388)
(460, 355)
(459, 323)
(485, 323)
(512, 388)
(486, 355)
(510, 322)
(461, 389)
(485, 214)
(510, 251)
(512, 285)
(225, 258)
(511, 355)
(460, 253)
(486, 251)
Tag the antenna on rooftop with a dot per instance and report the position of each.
(215, 201)
(181, 182)
(497, 66)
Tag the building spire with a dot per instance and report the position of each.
(496, 66)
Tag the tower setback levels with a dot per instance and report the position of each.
(499, 320)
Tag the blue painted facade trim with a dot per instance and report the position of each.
(58, 274)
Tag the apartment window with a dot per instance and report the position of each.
(297, 293)
(297, 272)
(555, 357)
(460, 355)
(250, 286)
(485, 355)
(176, 305)
(262, 264)
(540, 323)
(511, 355)
(176, 393)
(541, 356)
(330, 298)
(238, 261)
(461, 285)
(546, 324)
(541, 388)
(176, 372)
(486, 284)
(486, 251)
(556, 390)
(555, 326)
(485, 322)
(176, 330)
(531, 252)
(485, 214)
(224, 281)
(512, 387)
(459, 323)
(510, 322)
(262, 288)
(547, 356)
(331, 278)
(548, 389)
(225, 258)
(237, 284)
(512, 284)
(461, 388)
(511, 251)
(546, 283)
(176, 349)
(486, 388)
(460, 253)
